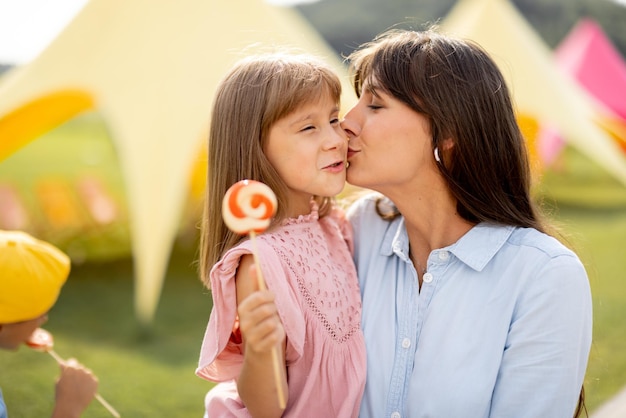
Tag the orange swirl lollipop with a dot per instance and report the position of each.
(248, 208)
(41, 340)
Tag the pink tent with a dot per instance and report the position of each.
(588, 55)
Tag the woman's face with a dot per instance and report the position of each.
(390, 144)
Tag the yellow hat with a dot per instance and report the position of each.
(32, 273)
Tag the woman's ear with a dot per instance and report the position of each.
(447, 144)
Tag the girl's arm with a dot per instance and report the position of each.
(261, 331)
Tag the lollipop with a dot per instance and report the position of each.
(41, 340)
(247, 208)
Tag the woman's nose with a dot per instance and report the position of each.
(349, 125)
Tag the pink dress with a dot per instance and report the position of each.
(307, 263)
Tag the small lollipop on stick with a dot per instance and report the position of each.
(248, 208)
(41, 340)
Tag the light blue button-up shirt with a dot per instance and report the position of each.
(500, 328)
(3, 409)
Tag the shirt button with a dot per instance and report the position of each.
(427, 278)
(444, 255)
(396, 415)
(406, 343)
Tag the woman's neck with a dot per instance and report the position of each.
(431, 221)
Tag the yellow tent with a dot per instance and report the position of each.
(541, 91)
(150, 68)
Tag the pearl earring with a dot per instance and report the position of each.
(437, 155)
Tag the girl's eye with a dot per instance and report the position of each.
(307, 128)
(374, 106)
(334, 121)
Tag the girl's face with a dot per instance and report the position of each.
(15, 334)
(390, 144)
(308, 150)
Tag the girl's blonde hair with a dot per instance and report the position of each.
(255, 94)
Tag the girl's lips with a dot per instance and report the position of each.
(351, 152)
(336, 167)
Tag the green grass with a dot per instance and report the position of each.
(150, 373)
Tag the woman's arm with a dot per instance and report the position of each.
(544, 361)
(261, 331)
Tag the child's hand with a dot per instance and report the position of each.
(75, 389)
(259, 322)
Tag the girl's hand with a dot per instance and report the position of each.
(259, 322)
(263, 337)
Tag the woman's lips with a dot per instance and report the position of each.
(352, 152)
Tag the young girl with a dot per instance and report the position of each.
(275, 120)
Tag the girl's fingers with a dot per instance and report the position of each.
(259, 322)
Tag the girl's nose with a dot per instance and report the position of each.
(337, 139)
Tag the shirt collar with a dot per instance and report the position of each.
(476, 248)
(480, 244)
(396, 240)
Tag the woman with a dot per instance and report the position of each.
(470, 308)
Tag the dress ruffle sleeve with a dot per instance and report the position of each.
(221, 356)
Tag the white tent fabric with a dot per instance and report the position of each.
(539, 88)
(152, 68)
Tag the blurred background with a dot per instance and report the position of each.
(98, 157)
